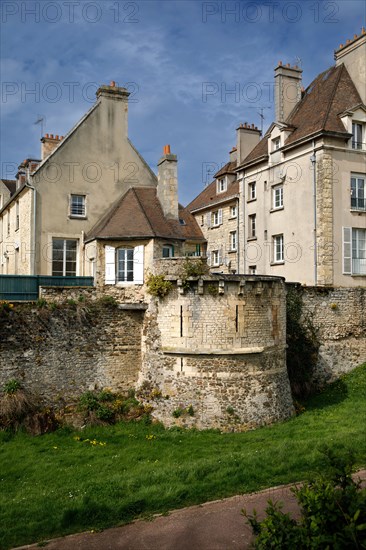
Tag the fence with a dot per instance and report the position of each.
(26, 287)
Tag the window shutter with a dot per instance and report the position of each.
(220, 216)
(220, 256)
(209, 258)
(110, 265)
(347, 250)
(138, 265)
(208, 219)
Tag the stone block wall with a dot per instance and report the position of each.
(339, 317)
(59, 353)
(221, 352)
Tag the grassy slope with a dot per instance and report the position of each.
(53, 485)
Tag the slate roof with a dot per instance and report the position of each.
(330, 94)
(227, 169)
(209, 196)
(11, 185)
(138, 214)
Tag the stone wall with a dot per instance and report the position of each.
(219, 348)
(61, 352)
(324, 214)
(339, 317)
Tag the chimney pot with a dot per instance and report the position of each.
(348, 41)
(280, 62)
(288, 65)
(166, 150)
(363, 30)
(56, 137)
(47, 136)
(113, 83)
(61, 137)
(51, 136)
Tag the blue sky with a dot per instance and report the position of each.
(195, 69)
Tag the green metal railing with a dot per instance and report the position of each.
(26, 287)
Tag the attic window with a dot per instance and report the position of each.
(182, 222)
(276, 144)
(221, 185)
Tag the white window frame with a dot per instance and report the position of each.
(354, 251)
(233, 240)
(64, 257)
(217, 217)
(252, 191)
(276, 144)
(278, 249)
(358, 132)
(252, 226)
(170, 248)
(277, 194)
(233, 211)
(358, 192)
(112, 265)
(221, 185)
(75, 208)
(215, 258)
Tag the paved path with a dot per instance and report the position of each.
(216, 525)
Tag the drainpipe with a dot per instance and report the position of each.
(313, 162)
(33, 234)
(238, 238)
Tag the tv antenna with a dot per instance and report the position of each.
(261, 115)
(41, 119)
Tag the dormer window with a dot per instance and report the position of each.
(357, 135)
(221, 185)
(276, 144)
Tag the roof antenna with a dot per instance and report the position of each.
(40, 120)
(298, 61)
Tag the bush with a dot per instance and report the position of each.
(333, 510)
(105, 406)
(158, 286)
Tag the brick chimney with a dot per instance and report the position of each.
(167, 190)
(114, 106)
(49, 143)
(287, 90)
(353, 55)
(247, 137)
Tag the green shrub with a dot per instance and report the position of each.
(12, 386)
(158, 286)
(108, 301)
(333, 512)
(41, 302)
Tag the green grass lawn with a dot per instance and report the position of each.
(54, 484)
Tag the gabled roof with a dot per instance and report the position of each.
(227, 169)
(11, 185)
(329, 95)
(209, 196)
(138, 214)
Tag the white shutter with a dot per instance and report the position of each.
(220, 256)
(138, 265)
(220, 216)
(347, 250)
(209, 258)
(208, 219)
(110, 265)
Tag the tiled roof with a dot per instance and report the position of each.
(209, 196)
(11, 185)
(138, 214)
(330, 94)
(227, 169)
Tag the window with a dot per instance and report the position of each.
(17, 216)
(358, 200)
(124, 265)
(252, 230)
(252, 191)
(354, 251)
(215, 257)
(252, 270)
(64, 257)
(233, 240)
(168, 251)
(357, 132)
(278, 255)
(221, 185)
(278, 197)
(233, 211)
(77, 206)
(276, 144)
(217, 217)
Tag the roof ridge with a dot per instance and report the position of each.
(334, 91)
(109, 212)
(142, 208)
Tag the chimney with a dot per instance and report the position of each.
(167, 190)
(49, 143)
(233, 154)
(113, 101)
(287, 90)
(353, 56)
(247, 137)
